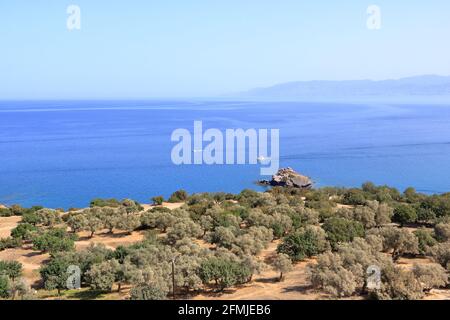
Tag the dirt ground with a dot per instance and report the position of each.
(264, 286)
(110, 240)
(169, 205)
(32, 260)
(7, 224)
(434, 294)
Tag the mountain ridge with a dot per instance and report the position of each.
(424, 85)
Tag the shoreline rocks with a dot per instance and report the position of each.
(288, 177)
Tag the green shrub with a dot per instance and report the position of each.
(404, 214)
(223, 272)
(11, 269)
(54, 274)
(31, 218)
(354, 197)
(54, 240)
(158, 200)
(148, 292)
(438, 204)
(442, 232)
(7, 243)
(426, 240)
(24, 231)
(5, 287)
(178, 196)
(342, 230)
(5, 212)
(303, 243)
(98, 202)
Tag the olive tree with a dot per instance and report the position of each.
(128, 222)
(110, 218)
(48, 217)
(223, 236)
(366, 216)
(404, 214)
(254, 264)
(24, 231)
(6, 243)
(398, 241)
(102, 276)
(442, 232)
(425, 215)
(11, 269)
(178, 196)
(425, 240)
(182, 229)
(282, 264)
(252, 241)
(131, 206)
(54, 274)
(85, 259)
(93, 220)
(340, 230)
(22, 289)
(158, 219)
(5, 287)
(304, 243)
(54, 240)
(343, 273)
(441, 254)
(77, 222)
(186, 274)
(225, 273)
(148, 292)
(207, 224)
(398, 284)
(330, 275)
(158, 200)
(383, 212)
(430, 276)
(31, 218)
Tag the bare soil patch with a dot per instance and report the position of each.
(7, 224)
(31, 261)
(265, 286)
(110, 240)
(168, 205)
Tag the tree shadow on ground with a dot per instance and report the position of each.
(299, 288)
(115, 234)
(85, 295)
(268, 280)
(33, 254)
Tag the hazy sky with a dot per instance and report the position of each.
(175, 48)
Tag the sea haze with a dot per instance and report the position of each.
(419, 88)
(63, 154)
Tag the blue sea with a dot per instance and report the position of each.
(65, 153)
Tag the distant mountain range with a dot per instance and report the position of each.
(423, 86)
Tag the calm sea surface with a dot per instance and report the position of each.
(63, 154)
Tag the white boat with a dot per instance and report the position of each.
(262, 159)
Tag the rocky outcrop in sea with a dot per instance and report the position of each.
(288, 177)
